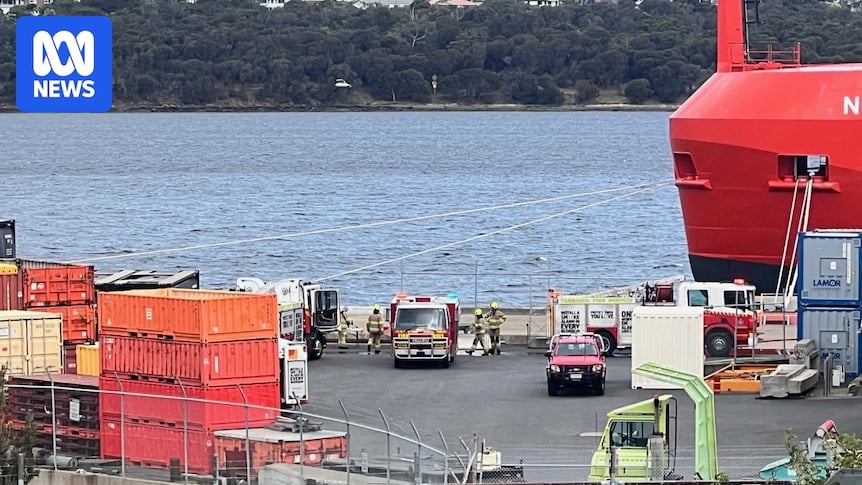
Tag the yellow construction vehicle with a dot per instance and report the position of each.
(639, 440)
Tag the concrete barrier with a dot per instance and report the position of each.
(62, 477)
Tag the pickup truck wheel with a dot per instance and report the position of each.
(552, 388)
(610, 340)
(599, 390)
(719, 343)
(397, 363)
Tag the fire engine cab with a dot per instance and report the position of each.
(729, 310)
(424, 328)
(306, 311)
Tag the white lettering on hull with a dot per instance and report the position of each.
(851, 105)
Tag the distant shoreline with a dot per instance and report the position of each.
(215, 108)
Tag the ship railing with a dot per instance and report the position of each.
(768, 54)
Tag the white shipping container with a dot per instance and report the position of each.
(669, 336)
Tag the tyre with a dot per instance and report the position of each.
(315, 347)
(719, 343)
(552, 388)
(611, 341)
(397, 363)
(599, 389)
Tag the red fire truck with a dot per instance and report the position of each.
(424, 328)
(728, 312)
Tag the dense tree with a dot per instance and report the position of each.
(236, 53)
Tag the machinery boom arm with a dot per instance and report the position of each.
(706, 446)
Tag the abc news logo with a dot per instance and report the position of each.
(64, 64)
(81, 60)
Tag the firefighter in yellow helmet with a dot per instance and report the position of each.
(375, 329)
(479, 332)
(344, 325)
(495, 319)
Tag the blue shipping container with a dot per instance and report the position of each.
(836, 331)
(829, 268)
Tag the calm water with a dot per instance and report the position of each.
(86, 186)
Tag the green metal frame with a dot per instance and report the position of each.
(706, 444)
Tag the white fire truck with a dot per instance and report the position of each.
(307, 311)
(424, 328)
(611, 317)
(293, 360)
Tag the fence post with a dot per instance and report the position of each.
(530, 291)
(122, 425)
(419, 446)
(476, 285)
(347, 423)
(247, 440)
(480, 460)
(388, 445)
(301, 440)
(21, 469)
(185, 430)
(53, 417)
(445, 459)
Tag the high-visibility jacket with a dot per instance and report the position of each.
(495, 318)
(479, 326)
(345, 323)
(375, 323)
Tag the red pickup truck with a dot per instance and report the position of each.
(576, 362)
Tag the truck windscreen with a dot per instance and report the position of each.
(416, 318)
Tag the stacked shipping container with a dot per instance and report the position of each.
(830, 295)
(163, 347)
(75, 405)
(52, 287)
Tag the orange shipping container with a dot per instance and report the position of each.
(189, 315)
(79, 321)
(215, 364)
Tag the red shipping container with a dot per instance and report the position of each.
(189, 315)
(195, 364)
(26, 284)
(269, 446)
(163, 404)
(79, 321)
(154, 446)
(51, 284)
(70, 357)
(11, 289)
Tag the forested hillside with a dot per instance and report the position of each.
(234, 53)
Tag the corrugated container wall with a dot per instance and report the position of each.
(269, 446)
(189, 315)
(215, 364)
(829, 268)
(30, 342)
(154, 402)
(26, 283)
(670, 336)
(836, 331)
(154, 446)
(87, 360)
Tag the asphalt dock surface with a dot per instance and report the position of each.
(503, 400)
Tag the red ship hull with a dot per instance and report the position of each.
(740, 145)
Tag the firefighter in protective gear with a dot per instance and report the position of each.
(343, 327)
(495, 319)
(479, 332)
(375, 329)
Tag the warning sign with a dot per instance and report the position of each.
(571, 319)
(297, 375)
